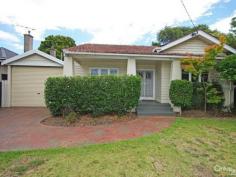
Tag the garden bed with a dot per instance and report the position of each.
(209, 114)
(88, 120)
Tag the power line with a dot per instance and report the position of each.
(182, 2)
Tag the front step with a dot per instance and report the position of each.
(153, 108)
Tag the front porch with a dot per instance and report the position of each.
(156, 74)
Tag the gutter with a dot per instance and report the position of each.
(66, 52)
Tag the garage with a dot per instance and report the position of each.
(28, 84)
(27, 75)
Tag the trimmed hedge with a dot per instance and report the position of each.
(96, 95)
(181, 92)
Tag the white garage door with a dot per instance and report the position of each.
(28, 84)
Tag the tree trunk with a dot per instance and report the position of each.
(205, 97)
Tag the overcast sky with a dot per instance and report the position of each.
(106, 21)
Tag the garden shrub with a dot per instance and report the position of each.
(96, 95)
(198, 96)
(71, 118)
(215, 96)
(181, 92)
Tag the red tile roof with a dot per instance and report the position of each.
(119, 49)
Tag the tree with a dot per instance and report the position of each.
(231, 36)
(58, 42)
(199, 65)
(227, 68)
(233, 25)
(169, 34)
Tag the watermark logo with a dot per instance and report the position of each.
(229, 170)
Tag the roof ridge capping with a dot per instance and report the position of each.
(193, 35)
(31, 52)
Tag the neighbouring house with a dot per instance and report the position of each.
(4, 54)
(27, 73)
(157, 66)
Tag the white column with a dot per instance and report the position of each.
(131, 66)
(190, 77)
(176, 71)
(9, 86)
(68, 69)
(176, 74)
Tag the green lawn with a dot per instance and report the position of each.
(191, 147)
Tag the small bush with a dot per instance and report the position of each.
(198, 96)
(96, 95)
(215, 96)
(71, 118)
(181, 92)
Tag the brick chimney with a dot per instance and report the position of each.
(28, 42)
(53, 51)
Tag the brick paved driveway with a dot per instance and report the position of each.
(20, 129)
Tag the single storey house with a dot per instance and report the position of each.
(157, 66)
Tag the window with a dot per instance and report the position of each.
(113, 71)
(190, 77)
(94, 72)
(204, 77)
(4, 77)
(185, 75)
(103, 71)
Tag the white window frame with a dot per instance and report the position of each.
(100, 68)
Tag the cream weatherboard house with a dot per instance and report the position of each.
(157, 66)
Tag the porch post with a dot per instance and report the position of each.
(68, 69)
(131, 66)
(176, 72)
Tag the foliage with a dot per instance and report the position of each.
(71, 118)
(215, 96)
(169, 34)
(93, 94)
(198, 96)
(200, 65)
(181, 92)
(231, 36)
(155, 43)
(227, 68)
(231, 40)
(233, 25)
(58, 42)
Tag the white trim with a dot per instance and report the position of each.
(9, 75)
(126, 56)
(154, 84)
(195, 34)
(31, 52)
(100, 68)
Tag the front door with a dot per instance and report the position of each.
(147, 84)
